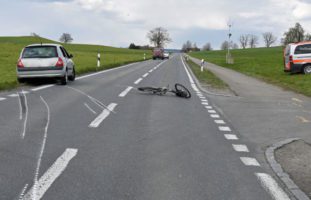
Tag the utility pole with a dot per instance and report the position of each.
(229, 58)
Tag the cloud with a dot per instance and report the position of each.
(120, 22)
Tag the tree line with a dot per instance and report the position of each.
(293, 35)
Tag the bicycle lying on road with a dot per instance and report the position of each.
(180, 90)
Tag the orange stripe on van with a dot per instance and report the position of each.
(302, 61)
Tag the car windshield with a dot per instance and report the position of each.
(40, 52)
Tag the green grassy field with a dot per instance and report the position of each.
(262, 63)
(85, 57)
(206, 77)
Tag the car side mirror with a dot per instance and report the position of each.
(70, 56)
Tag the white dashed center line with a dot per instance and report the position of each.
(13, 95)
(224, 128)
(124, 93)
(138, 81)
(249, 161)
(219, 121)
(231, 137)
(240, 148)
(2, 98)
(211, 111)
(204, 103)
(145, 75)
(215, 116)
(208, 107)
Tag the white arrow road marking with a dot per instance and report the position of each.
(106, 112)
(272, 187)
(124, 93)
(47, 179)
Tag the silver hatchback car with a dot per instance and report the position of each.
(45, 61)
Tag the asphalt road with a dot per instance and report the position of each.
(98, 138)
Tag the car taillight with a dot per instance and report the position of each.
(20, 63)
(290, 58)
(60, 63)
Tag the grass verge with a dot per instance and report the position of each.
(262, 63)
(85, 57)
(206, 77)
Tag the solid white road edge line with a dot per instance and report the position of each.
(106, 112)
(13, 95)
(145, 75)
(231, 137)
(47, 179)
(83, 77)
(249, 161)
(271, 186)
(124, 93)
(138, 81)
(88, 107)
(240, 147)
(193, 85)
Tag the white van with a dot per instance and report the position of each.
(297, 58)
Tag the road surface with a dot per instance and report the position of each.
(100, 138)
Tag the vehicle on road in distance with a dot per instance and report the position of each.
(166, 55)
(180, 90)
(297, 58)
(45, 61)
(158, 53)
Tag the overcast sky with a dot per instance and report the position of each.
(120, 22)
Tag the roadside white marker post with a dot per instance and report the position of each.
(202, 64)
(98, 60)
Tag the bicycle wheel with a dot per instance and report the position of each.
(182, 91)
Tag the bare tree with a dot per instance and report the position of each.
(187, 46)
(244, 40)
(159, 37)
(224, 45)
(253, 41)
(269, 38)
(235, 46)
(66, 38)
(308, 37)
(207, 47)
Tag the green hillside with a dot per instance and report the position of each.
(85, 57)
(263, 63)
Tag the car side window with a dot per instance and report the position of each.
(66, 52)
(63, 52)
(303, 49)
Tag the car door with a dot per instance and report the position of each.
(69, 62)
